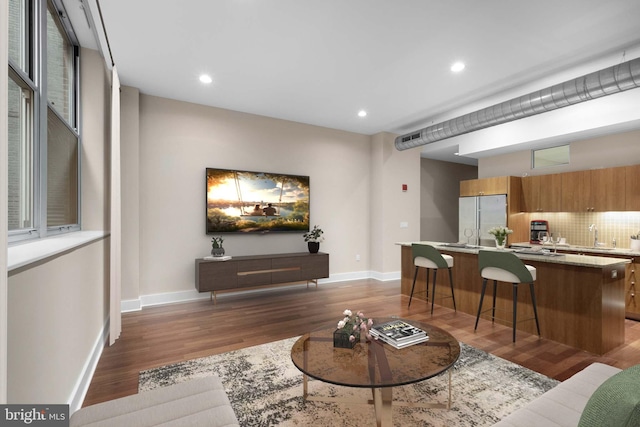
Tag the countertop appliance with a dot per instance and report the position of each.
(537, 225)
(479, 214)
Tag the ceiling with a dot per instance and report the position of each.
(320, 62)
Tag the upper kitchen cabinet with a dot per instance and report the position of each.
(576, 188)
(484, 186)
(597, 190)
(542, 193)
(632, 196)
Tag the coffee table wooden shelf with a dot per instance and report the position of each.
(376, 365)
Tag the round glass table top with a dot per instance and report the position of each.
(375, 363)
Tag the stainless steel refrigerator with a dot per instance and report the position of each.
(480, 214)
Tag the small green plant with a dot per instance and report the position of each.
(314, 235)
(216, 242)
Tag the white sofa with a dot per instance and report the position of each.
(563, 404)
(199, 402)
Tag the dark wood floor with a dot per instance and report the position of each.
(168, 334)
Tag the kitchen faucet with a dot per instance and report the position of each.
(593, 228)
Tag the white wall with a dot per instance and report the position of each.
(602, 152)
(130, 190)
(389, 205)
(440, 191)
(59, 306)
(179, 140)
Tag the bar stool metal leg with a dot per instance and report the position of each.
(413, 286)
(433, 292)
(493, 311)
(453, 295)
(484, 288)
(515, 308)
(535, 310)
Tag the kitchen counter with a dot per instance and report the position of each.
(549, 257)
(580, 298)
(625, 252)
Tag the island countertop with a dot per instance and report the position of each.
(580, 298)
(526, 253)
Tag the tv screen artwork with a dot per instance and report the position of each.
(256, 202)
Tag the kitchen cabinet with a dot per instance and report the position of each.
(484, 186)
(576, 187)
(632, 187)
(597, 190)
(608, 188)
(542, 193)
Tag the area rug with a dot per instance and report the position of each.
(265, 389)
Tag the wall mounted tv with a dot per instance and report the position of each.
(256, 202)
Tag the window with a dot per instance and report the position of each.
(44, 142)
(20, 215)
(553, 156)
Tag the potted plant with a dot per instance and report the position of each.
(635, 242)
(313, 239)
(216, 246)
(500, 234)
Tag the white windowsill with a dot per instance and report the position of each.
(24, 254)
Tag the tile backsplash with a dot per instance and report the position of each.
(611, 225)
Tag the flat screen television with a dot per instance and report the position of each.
(256, 202)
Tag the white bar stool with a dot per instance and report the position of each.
(428, 257)
(501, 266)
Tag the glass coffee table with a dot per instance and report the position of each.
(376, 365)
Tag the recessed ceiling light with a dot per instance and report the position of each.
(362, 113)
(457, 67)
(205, 79)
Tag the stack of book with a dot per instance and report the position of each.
(398, 333)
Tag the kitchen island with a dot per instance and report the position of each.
(580, 298)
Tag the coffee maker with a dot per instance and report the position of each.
(537, 226)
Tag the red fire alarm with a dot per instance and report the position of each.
(404, 187)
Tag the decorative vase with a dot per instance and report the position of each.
(217, 251)
(500, 244)
(341, 339)
(314, 247)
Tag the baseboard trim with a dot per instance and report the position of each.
(89, 368)
(194, 295)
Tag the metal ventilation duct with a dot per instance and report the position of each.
(611, 80)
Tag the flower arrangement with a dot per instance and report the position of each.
(216, 242)
(355, 324)
(314, 235)
(500, 233)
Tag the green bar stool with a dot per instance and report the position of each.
(428, 257)
(501, 266)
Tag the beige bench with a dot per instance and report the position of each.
(199, 402)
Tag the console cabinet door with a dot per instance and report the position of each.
(254, 272)
(286, 269)
(216, 275)
(314, 267)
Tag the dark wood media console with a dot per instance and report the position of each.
(259, 270)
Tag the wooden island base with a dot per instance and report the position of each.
(579, 305)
